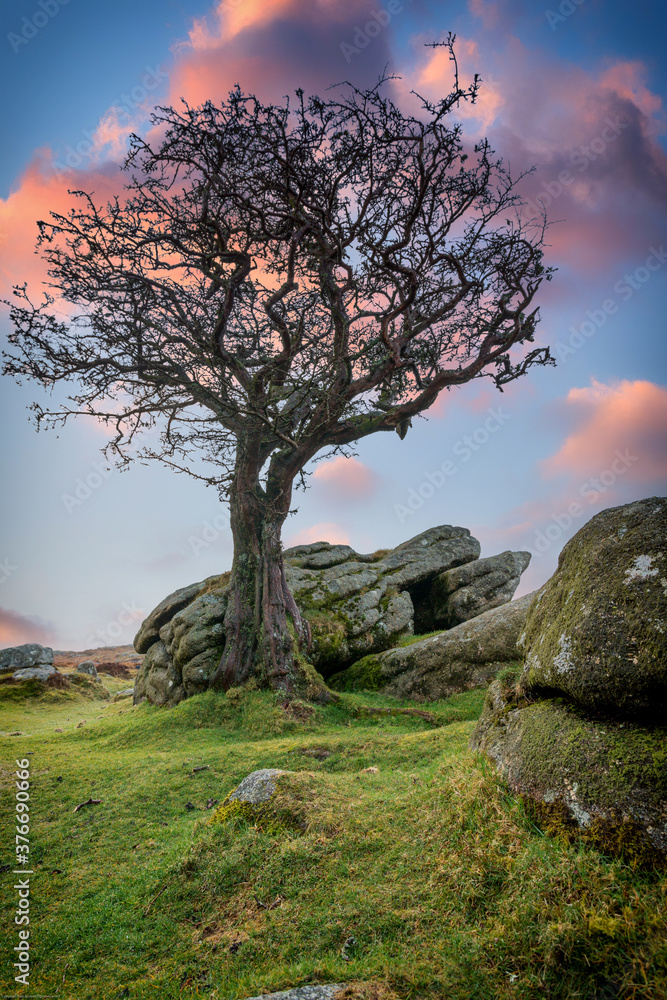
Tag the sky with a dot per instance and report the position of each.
(576, 89)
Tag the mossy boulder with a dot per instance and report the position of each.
(358, 604)
(87, 667)
(598, 633)
(604, 779)
(466, 591)
(282, 802)
(188, 647)
(355, 604)
(27, 656)
(149, 632)
(158, 680)
(436, 667)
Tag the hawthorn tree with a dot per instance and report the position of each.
(278, 282)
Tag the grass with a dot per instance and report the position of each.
(409, 640)
(447, 887)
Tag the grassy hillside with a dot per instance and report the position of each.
(393, 834)
(65, 659)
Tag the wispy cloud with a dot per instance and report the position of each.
(16, 629)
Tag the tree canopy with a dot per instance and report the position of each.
(281, 281)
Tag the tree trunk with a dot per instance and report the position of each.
(265, 635)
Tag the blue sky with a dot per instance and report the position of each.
(567, 87)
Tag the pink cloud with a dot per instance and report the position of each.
(544, 524)
(269, 47)
(626, 417)
(327, 531)
(274, 46)
(488, 11)
(435, 78)
(599, 126)
(346, 478)
(615, 453)
(16, 629)
(40, 191)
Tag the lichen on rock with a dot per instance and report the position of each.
(466, 656)
(281, 802)
(599, 633)
(580, 731)
(466, 591)
(356, 605)
(604, 779)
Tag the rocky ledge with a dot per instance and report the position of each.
(356, 605)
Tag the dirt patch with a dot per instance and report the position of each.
(366, 991)
(116, 670)
(58, 681)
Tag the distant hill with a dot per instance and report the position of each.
(64, 658)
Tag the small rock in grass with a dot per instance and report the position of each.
(257, 787)
(87, 667)
(325, 991)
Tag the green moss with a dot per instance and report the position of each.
(593, 634)
(243, 813)
(287, 811)
(583, 774)
(611, 758)
(408, 640)
(34, 690)
(616, 835)
(329, 634)
(364, 675)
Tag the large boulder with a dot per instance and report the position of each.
(356, 604)
(456, 660)
(166, 609)
(598, 634)
(359, 604)
(580, 730)
(158, 680)
(605, 779)
(188, 647)
(466, 591)
(31, 654)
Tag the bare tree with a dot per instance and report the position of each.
(278, 282)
